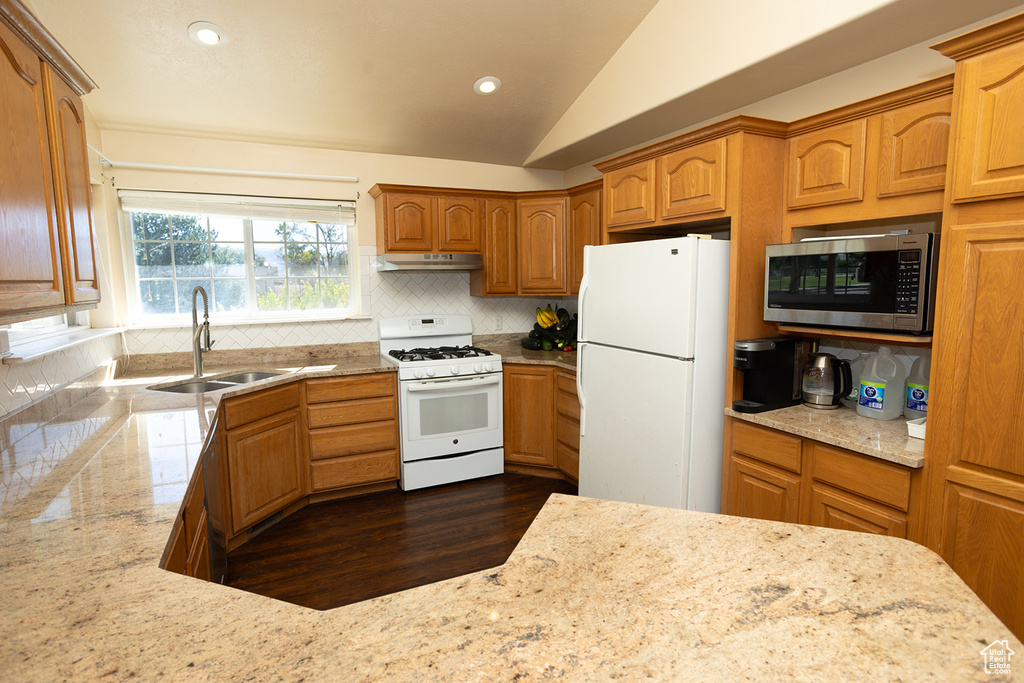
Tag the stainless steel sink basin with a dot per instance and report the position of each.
(246, 377)
(196, 387)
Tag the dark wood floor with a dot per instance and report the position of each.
(333, 554)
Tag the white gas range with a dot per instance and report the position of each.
(449, 400)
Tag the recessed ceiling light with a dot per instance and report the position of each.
(208, 34)
(487, 85)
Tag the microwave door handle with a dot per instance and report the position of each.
(445, 385)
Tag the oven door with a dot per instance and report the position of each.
(449, 416)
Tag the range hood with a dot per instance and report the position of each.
(397, 262)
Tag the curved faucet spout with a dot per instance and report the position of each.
(197, 330)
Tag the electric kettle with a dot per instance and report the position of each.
(826, 380)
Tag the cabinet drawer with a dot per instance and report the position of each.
(354, 470)
(568, 432)
(348, 388)
(566, 382)
(767, 445)
(333, 442)
(888, 484)
(567, 405)
(568, 460)
(352, 412)
(260, 404)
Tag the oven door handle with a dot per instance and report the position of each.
(445, 384)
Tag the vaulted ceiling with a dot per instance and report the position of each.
(396, 76)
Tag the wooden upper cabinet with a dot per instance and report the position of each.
(499, 273)
(826, 166)
(693, 180)
(584, 230)
(913, 148)
(629, 194)
(30, 271)
(427, 220)
(989, 158)
(409, 223)
(458, 224)
(66, 119)
(542, 245)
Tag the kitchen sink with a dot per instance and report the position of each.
(246, 377)
(196, 387)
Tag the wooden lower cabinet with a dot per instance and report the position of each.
(567, 428)
(781, 477)
(529, 405)
(762, 491)
(842, 510)
(542, 420)
(265, 462)
(353, 435)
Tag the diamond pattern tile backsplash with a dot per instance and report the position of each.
(384, 295)
(22, 384)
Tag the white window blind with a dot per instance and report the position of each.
(340, 212)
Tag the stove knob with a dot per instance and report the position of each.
(455, 369)
(418, 374)
(478, 368)
(488, 368)
(430, 372)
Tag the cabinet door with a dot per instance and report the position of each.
(693, 180)
(500, 246)
(826, 166)
(584, 229)
(264, 468)
(913, 148)
(529, 393)
(542, 263)
(974, 446)
(458, 225)
(840, 510)
(629, 195)
(410, 223)
(30, 272)
(763, 492)
(988, 160)
(66, 119)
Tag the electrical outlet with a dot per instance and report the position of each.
(498, 323)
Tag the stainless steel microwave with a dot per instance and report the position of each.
(882, 282)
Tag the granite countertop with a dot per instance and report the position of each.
(843, 427)
(595, 589)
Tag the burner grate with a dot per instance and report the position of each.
(438, 353)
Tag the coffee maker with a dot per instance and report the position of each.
(772, 369)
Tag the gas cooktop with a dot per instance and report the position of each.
(438, 353)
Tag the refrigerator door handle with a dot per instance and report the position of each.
(584, 285)
(579, 385)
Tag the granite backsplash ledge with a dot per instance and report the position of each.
(306, 355)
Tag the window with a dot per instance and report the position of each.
(256, 258)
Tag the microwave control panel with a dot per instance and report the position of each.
(908, 282)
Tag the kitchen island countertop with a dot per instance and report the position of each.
(595, 589)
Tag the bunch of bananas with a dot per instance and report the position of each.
(546, 317)
(553, 330)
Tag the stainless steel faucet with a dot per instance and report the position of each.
(197, 348)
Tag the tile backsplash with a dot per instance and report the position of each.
(383, 295)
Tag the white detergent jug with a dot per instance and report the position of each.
(882, 386)
(916, 404)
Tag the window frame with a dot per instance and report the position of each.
(251, 316)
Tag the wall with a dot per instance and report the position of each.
(25, 384)
(384, 294)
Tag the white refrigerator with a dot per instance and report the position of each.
(651, 371)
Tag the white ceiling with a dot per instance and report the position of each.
(387, 76)
(396, 76)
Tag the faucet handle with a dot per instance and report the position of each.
(209, 344)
